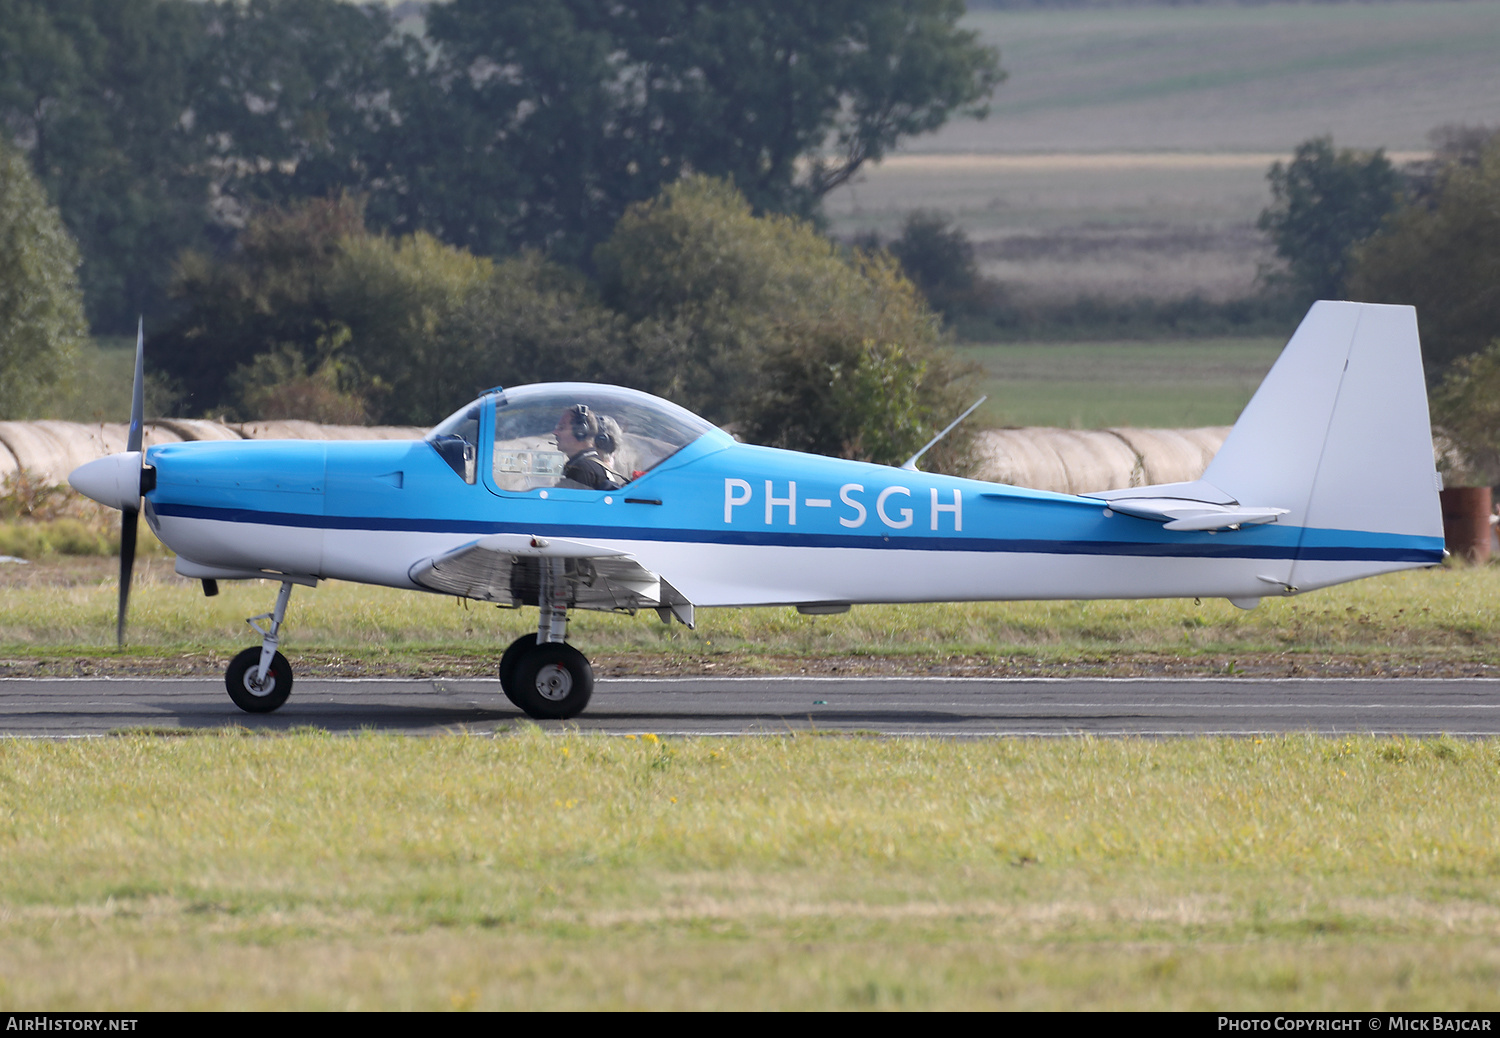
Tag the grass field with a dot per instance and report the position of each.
(312, 872)
(224, 870)
(59, 617)
(1101, 384)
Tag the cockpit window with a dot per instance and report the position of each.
(456, 440)
(644, 431)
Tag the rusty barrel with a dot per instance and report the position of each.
(1466, 522)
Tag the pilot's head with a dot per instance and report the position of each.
(610, 435)
(576, 429)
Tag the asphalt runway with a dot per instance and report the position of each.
(906, 706)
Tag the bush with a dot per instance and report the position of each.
(1466, 412)
(939, 258)
(313, 317)
(762, 322)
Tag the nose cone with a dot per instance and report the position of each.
(114, 481)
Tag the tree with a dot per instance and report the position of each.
(272, 292)
(1325, 202)
(1444, 259)
(565, 112)
(1466, 412)
(315, 313)
(158, 125)
(306, 99)
(431, 326)
(761, 321)
(98, 94)
(939, 259)
(41, 308)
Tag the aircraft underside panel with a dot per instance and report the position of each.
(730, 575)
(659, 573)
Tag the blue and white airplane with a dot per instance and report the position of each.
(1327, 477)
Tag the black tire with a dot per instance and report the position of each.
(553, 681)
(245, 693)
(513, 654)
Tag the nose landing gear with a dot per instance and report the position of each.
(260, 679)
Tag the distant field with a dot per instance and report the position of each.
(1053, 227)
(1101, 384)
(1126, 154)
(1233, 77)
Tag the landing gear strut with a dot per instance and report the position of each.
(547, 678)
(260, 679)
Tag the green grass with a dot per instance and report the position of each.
(312, 872)
(1141, 384)
(1440, 616)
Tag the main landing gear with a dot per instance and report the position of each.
(541, 674)
(260, 679)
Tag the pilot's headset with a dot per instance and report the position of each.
(608, 440)
(583, 423)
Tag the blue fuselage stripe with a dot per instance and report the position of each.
(1396, 549)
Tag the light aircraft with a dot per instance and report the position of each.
(1328, 476)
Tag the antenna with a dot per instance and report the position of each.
(911, 462)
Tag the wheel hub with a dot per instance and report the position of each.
(255, 686)
(554, 682)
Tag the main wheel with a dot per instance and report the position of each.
(513, 654)
(553, 681)
(246, 688)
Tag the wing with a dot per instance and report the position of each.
(504, 568)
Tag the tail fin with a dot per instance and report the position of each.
(1338, 435)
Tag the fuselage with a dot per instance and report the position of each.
(728, 524)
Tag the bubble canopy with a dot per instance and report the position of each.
(645, 431)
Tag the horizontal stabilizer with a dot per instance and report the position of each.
(1188, 506)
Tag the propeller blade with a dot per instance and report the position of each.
(138, 390)
(129, 518)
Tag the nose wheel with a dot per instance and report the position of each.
(252, 691)
(259, 679)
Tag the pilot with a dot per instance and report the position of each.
(606, 443)
(577, 432)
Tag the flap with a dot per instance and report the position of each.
(503, 568)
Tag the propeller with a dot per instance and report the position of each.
(130, 517)
(120, 480)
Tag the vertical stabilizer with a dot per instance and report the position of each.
(1339, 433)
